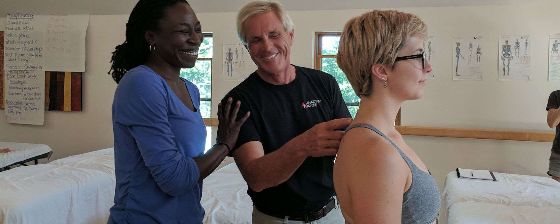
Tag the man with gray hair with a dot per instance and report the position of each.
(285, 150)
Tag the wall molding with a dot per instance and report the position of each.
(211, 122)
(533, 136)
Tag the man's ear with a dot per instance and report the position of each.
(291, 35)
(379, 71)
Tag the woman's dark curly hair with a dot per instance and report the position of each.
(135, 49)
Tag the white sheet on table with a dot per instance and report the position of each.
(225, 198)
(77, 189)
(530, 198)
(98, 160)
(20, 152)
(80, 189)
(490, 213)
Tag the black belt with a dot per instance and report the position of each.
(310, 216)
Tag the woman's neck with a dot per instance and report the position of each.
(378, 110)
(162, 68)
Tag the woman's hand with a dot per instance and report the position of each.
(228, 127)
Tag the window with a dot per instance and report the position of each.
(201, 74)
(325, 60)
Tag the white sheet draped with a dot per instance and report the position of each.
(512, 199)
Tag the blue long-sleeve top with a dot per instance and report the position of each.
(156, 139)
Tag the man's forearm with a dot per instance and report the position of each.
(553, 118)
(273, 168)
(557, 120)
(263, 171)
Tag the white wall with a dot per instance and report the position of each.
(488, 103)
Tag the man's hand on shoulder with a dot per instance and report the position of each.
(323, 139)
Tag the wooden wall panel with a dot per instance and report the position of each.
(76, 99)
(63, 91)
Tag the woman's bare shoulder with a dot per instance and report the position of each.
(361, 148)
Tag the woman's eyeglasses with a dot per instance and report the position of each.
(414, 56)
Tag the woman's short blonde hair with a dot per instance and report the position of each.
(258, 7)
(374, 38)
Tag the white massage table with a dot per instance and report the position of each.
(74, 190)
(224, 197)
(511, 199)
(80, 190)
(21, 153)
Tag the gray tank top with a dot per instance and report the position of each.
(422, 200)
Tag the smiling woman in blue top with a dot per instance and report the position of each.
(158, 130)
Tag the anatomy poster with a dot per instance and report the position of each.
(554, 57)
(467, 58)
(514, 57)
(430, 50)
(237, 62)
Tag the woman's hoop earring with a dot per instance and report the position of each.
(152, 47)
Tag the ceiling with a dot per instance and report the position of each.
(234, 5)
(119, 7)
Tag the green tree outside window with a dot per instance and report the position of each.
(327, 49)
(201, 74)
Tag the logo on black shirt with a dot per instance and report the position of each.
(310, 104)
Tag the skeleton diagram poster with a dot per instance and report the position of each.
(554, 57)
(514, 57)
(467, 63)
(429, 49)
(237, 62)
